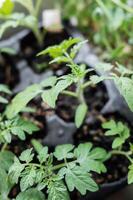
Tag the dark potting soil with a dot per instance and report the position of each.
(30, 48)
(91, 131)
(96, 98)
(8, 72)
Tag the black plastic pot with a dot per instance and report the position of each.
(60, 132)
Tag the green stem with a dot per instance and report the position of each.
(80, 91)
(69, 93)
(126, 154)
(123, 6)
(85, 85)
(4, 147)
(38, 7)
(38, 34)
(54, 168)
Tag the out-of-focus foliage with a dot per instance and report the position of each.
(108, 24)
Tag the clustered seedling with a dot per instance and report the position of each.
(72, 169)
(10, 128)
(68, 166)
(14, 19)
(120, 134)
(108, 21)
(50, 88)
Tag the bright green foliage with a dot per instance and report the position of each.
(80, 114)
(22, 99)
(50, 88)
(63, 153)
(57, 51)
(4, 89)
(57, 190)
(16, 126)
(123, 80)
(31, 194)
(6, 7)
(125, 86)
(6, 160)
(70, 167)
(119, 130)
(130, 174)
(91, 159)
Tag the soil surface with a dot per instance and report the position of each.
(8, 73)
(96, 98)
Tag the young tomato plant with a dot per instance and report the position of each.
(14, 19)
(8, 129)
(67, 166)
(50, 88)
(120, 134)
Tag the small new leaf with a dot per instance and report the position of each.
(80, 114)
(63, 151)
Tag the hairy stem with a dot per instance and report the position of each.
(69, 93)
(4, 147)
(38, 7)
(85, 85)
(54, 168)
(38, 34)
(80, 91)
(126, 154)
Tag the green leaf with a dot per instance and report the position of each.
(117, 129)
(27, 155)
(31, 194)
(22, 99)
(50, 97)
(5, 184)
(80, 114)
(63, 151)
(77, 178)
(125, 87)
(51, 81)
(117, 142)
(104, 67)
(15, 170)
(97, 79)
(43, 155)
(82, 151)
(58, 50)
(6, 7)
(3, 100)
(58, 191)
(91, 159)
(6, 25)
(6, 159)
(28, 179)
(8, 50)
(130, 174)
(16, 126)
(5, 89)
